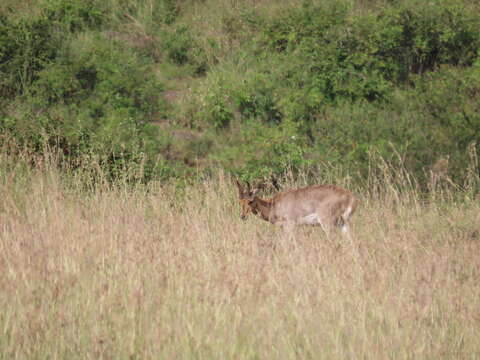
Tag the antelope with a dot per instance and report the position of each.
(324, 205)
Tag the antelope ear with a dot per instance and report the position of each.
(240, 187)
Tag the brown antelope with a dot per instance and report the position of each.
(324, 205)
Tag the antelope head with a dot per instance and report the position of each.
(246, 197)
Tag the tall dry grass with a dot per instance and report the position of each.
(153, 273)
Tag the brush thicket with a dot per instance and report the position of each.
(157, 271)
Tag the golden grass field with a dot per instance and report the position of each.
(150, 273)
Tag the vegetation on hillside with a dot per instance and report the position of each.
(175, 88)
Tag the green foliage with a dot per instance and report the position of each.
(422, 124)
(336, 57)
(182, 48)
(447, 102)
(177, 45)
(74, 16)
(295, 26)
(166, 11)
(261, 89)
(216, 107)
(25, 48)
(95, 99)
(152, 14)
(218, 113)
(319, 61)
(344, 80)
(255, 98)
(258, 150)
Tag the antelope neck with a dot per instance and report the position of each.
(264, 207)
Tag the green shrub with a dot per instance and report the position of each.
(447, 104)
(95, 100)
(266, 88)
(342, 80)
(258, 150)
(213, 103)
(217, 111)
(426, 35)
(318, 60)
(326, 52)
(25, 48)
(295, 25)
(182, 48)
(74, 16)
(254, 98)
(421, 124)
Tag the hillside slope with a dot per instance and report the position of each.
(171, 88)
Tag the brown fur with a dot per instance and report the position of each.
(324, 205)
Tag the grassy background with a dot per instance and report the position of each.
(159, 271)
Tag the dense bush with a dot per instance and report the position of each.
(378, 81)
(182, 48)
(405, 39)
(74, 16)
(261, 150)
(96, 100)
(422, 124)
(328, 57)
(255, 90)
(446, 102)
(25, 47)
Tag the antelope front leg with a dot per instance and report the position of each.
(346, 232)
(326, 225)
